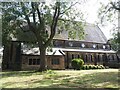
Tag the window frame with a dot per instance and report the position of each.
(33, 61)
(55, 61)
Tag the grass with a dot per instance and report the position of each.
(103, 78)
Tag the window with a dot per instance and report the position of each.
(70, 44)
(30, 61)
(98, 58)
(91, 57)
(55, 43)
(94, 46)
(72, 56)
(34, 61)
(86, 58)
(104, 47)
(55, 61)
(112, 57)
(38, 61)
(78, 56)
(83, 45)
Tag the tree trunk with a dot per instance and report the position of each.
(6, 57)
(43, 66)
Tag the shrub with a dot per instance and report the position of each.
(83, 67)
(87, 67)
(96, 67)
(102, 67)
(92, 66)
(99, 67)
(77, 64)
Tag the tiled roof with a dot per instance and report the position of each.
(92, 34)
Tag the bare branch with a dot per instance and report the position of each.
(33, 11)
(54, 18)
(27, 18)
(105, 13)
(68, 8)
(38, 12)
(54, 23)
(57, 16)
(114, 6)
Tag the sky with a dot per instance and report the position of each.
(91, 8)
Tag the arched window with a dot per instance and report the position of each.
(72, 56)
(86, 56)
(112, 57)
(94, 46)
(70, 44)
(104, 46)
(98, 58)
(82, 45)
(78, 56)
(91, 58)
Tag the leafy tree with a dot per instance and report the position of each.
(43, 21)
(106, 14)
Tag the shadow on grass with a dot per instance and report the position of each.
(61, 89)
(106, 80)
(96, 80)
(6, 74)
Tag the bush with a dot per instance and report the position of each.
(102, 67)
(99, 67)
(87, 67)
(83, 67)
(90, 66)
(77, 64)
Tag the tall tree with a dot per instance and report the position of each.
(43, 20)
(109, 13)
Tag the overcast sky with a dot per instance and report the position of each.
(91, 8)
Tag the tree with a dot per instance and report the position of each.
(43, 20)
(106, 14)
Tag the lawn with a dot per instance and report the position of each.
(103, 78)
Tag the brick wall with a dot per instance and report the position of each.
(26, 66)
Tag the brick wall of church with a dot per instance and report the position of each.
(32, 62)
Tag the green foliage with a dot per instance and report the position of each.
(14, 16)
(49, 72)
(105, 13)
(77, 63)
(37, 21)
(115, 42)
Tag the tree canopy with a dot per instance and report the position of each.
(41, 21)
(19, 14)
(109, 13)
